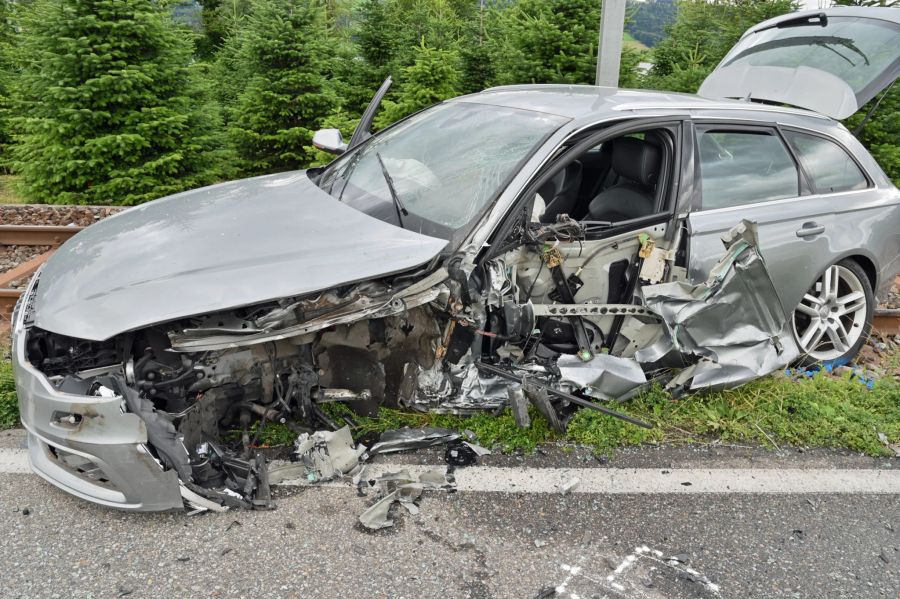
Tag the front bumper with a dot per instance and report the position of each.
(101, 457)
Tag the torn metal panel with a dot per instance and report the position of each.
(378, 515)
(365, 307)
(404, 488)
(402, 439)
(734, 321)
(604, 377)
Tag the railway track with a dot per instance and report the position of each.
(886, 321)
(32, 235)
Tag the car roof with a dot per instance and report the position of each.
(582, 101)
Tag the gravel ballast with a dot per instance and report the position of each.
(61, 216)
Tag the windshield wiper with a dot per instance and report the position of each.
(401, 209)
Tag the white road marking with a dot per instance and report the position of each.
(621, 480)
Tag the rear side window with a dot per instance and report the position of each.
(744, 167)
(829, 166)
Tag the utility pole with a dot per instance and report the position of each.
(612, 28)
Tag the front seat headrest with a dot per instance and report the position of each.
(636, 160)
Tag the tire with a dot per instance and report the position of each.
(832, 324)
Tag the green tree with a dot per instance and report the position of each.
(432, 78)
(7, 36)
(286, 49)
(647, 19)
(477, 51)
(703, 32)
(389, 31)
(881, 133)
(548, 41)
(105, 104)
(219, 18)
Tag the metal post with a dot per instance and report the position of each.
(612, 27)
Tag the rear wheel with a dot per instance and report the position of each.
(834, 318)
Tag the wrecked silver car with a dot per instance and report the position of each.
(559, 247)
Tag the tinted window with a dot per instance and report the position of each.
(855, 49)
(744, 167)
(827, 163)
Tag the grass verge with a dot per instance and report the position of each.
(9, 406)
(9, 194)
(823, 411)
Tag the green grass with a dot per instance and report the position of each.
(8, 192)
(628, 40)
(823, 411)
(9, 407)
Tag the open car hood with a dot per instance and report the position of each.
(216, 248)
(829, 61)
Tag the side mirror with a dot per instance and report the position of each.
(329, 140)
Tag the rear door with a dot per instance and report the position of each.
(829, 61)
(803, 190)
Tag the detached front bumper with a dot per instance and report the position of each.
(88, 446)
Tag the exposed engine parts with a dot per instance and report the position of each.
(560, 321)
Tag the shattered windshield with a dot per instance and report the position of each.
(446, 164)
(856, 50)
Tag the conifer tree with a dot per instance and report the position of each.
(105, 113)
(549, 41)
(433, 77)
(285, 47)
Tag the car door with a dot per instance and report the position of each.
(830, 61)
(809, 199)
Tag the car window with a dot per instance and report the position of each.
(857, 50)
(744, 167)
(446, 163)
(829, 166)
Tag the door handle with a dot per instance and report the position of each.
(810, 229)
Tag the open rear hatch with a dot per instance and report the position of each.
(830, 61)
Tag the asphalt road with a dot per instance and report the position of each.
(476, 544)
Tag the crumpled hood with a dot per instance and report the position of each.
(216, 248)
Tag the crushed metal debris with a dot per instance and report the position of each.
(558, 319)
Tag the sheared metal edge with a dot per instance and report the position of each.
(421, 293)
(700, 319)
(605, 375)
(411, 438)
(376, 517)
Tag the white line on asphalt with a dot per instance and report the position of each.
(623, 480)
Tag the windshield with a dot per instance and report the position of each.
(446, 164)
(856, 50)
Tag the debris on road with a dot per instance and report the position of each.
(328, 455)
(401, 487)
(403, 439)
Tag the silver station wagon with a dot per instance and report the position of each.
(546, 245)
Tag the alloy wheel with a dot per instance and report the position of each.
(831, 316)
